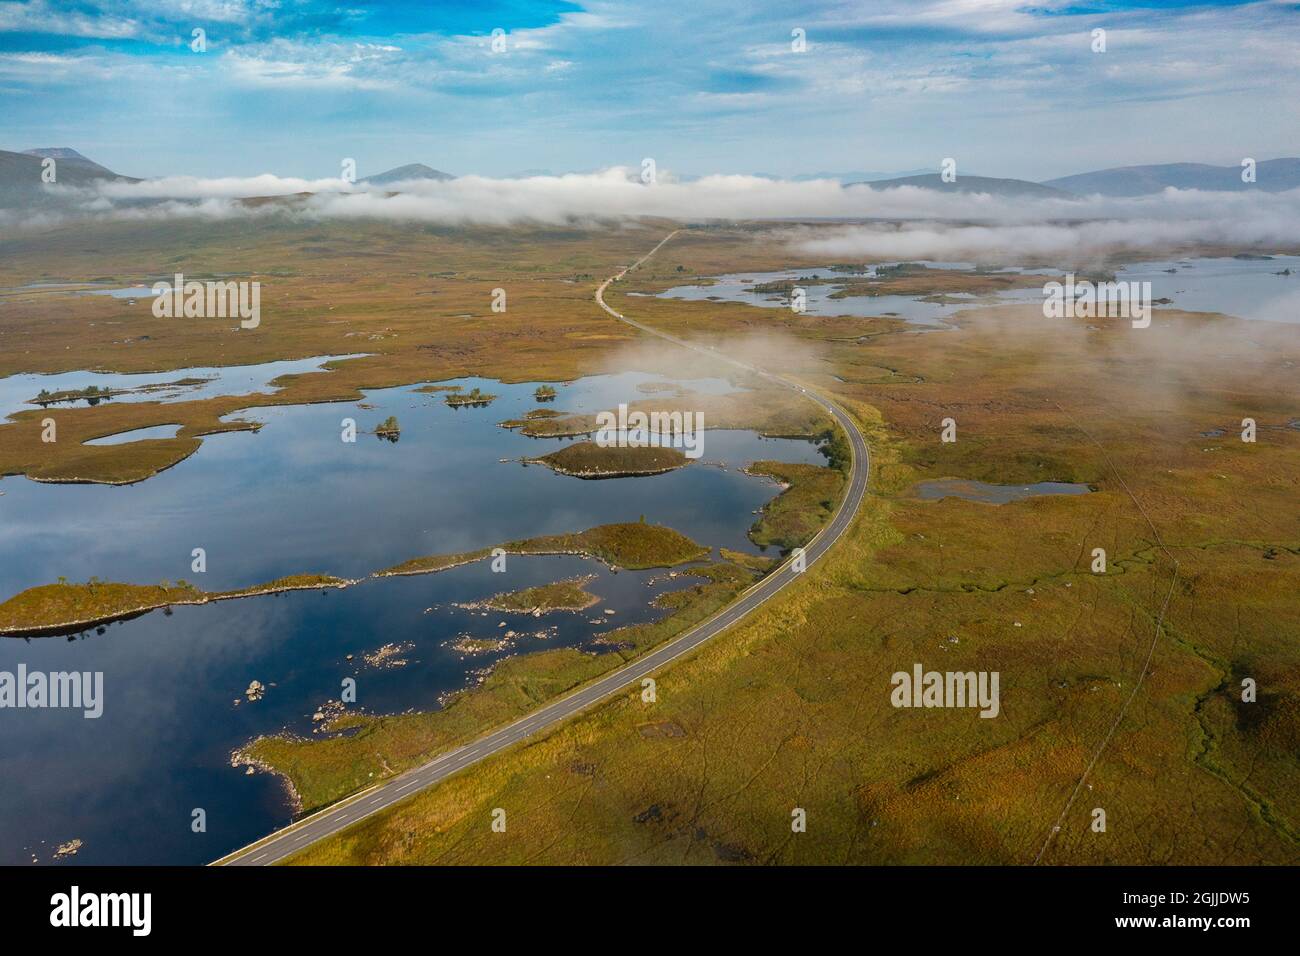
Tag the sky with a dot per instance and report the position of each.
(294, 87)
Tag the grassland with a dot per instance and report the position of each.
(804, 505)
(416, 301)
(791, 708)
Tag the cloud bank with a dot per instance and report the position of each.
(903, 222)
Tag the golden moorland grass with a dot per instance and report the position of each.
(585, 459)
(633, 544)
(567, 595)
(66, 606)
(791, 708)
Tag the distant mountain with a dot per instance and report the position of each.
(407, 172)
(68, 160)
(974, 184)
(1271, 175)
(850, 177)
(20, 173)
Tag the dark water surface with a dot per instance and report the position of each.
(295, 498)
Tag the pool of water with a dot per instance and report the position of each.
(739, 287)
(1247, 288)
(127, 292)
(293, 497)
(137, 434)
(296, 498)
(993, 494)
(17, 391)
(1264, 289)
(126, 783)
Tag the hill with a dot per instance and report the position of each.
(20, 173)
(973, 184)
(1272, 175)
(403, 173)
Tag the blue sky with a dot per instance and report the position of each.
(294, 86)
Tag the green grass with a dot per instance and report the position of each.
(794, 516)
(570, 595)
(632, 545)
(66, 605)
(474, 397)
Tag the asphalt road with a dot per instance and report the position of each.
(284, 843)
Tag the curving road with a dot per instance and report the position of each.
(284, 843)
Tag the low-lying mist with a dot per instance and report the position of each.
(942, 224)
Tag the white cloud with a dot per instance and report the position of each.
(232, 187)
(911, 222)
(37, 16)
(333, 66)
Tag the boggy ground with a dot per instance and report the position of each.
(417, 299)
(792, 708)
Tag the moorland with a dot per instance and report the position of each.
(1121, 689)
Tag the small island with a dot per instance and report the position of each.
(68, 608)
(635, 545)
(389, 429)
(474, 397)
(587, 459)
(567, 595)
(531, 417)
(94, 394)
(544, 393)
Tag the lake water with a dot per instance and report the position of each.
(1247, 288)
(295, 498)
(987, 493)
(738, 287)
(16, 391)
(152, 432)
